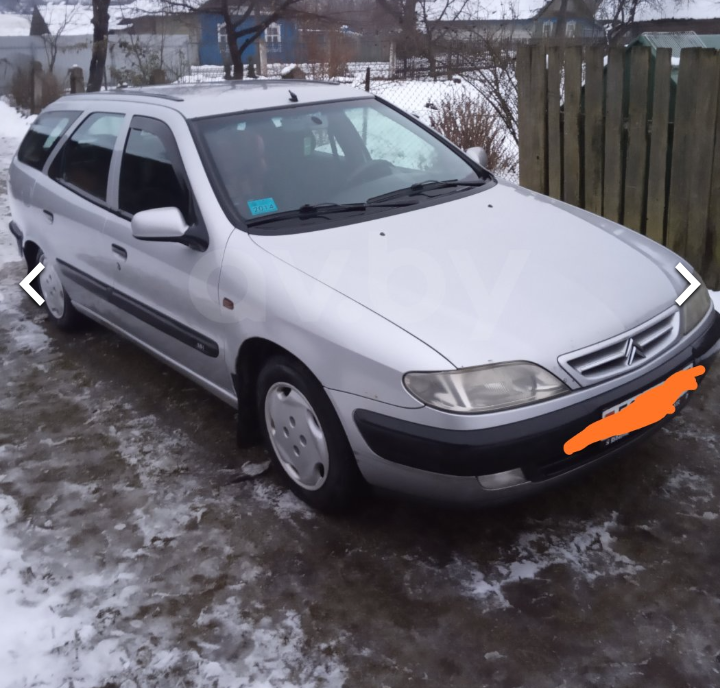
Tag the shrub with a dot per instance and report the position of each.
(468, 121)
(21, 89)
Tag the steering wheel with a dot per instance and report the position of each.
(371, 169)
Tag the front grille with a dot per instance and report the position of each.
(623, 353)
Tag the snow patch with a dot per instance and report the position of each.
(715, 296)
(590, 552)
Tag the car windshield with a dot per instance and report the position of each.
(354, 156)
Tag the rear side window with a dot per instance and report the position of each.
(84, 161)
(45, 132)
(151, 173)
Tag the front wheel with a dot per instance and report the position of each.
(305, 437)
(58, 304)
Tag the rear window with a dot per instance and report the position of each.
(43, 135)
(84, 161)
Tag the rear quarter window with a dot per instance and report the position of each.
(45, 132)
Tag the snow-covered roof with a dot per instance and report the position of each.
(14, 25)
(682, 9)
(76, 19)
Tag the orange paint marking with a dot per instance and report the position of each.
(648, 408)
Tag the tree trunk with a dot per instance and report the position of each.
(235, 56)
(232, 41)
(101, 23)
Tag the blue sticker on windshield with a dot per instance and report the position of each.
(261, 206)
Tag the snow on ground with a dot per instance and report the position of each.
(715, 296)
(59, 605)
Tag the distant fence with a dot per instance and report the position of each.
(627, 135)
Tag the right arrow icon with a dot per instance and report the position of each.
(694, 284)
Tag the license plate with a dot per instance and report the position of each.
(619, 407)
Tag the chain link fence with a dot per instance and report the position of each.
(456, 105)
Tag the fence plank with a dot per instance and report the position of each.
(711, 270)
(613, 173)
(571, 133)
(524, 113)
(594, 128)
(682, 162)
(636, 162)
(538, 96)
(554, 145)
(657, 167)
(706, 87)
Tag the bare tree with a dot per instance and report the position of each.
(489, 67)
(620, 14)
(431, 11)
(404, 13)
(59, 19)
(245, 21)
(101, 27)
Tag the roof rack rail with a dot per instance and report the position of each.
(133, 92)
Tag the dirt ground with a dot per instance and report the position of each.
(151, 567)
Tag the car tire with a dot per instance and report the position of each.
(304, 436)
(57, 303)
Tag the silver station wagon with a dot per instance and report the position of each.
(377, 305)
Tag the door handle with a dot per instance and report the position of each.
(120, 251)
(48, 216)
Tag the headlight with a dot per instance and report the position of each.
(486, 388)
(696, 307)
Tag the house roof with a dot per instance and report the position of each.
(76, 19)
(676, 40)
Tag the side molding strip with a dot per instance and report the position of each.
(139, 310)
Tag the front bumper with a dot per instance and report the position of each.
(534, 445)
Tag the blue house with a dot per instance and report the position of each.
(280, 37)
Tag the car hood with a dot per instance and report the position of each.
(499, 275)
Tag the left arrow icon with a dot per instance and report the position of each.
(25, 284)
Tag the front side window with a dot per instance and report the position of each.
(45, 132)
(84, 161)
(323, 154)
(149, 171)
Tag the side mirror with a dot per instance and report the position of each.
(159, 224)
(478, 155)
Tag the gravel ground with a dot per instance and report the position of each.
(130, 557)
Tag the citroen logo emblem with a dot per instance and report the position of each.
(633, 352)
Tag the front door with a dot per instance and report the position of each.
(166, 294)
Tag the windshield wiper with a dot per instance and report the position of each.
(307, 211)
(422, 187)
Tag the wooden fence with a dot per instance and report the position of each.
(609, 130)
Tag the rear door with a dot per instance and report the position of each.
(167, 293)
(72, 202)
(33, 154)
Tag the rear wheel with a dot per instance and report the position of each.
(305, 437)
(57, 303)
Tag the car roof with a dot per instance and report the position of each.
(203, 100)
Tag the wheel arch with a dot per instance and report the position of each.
(253, 353)
(31, 251)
